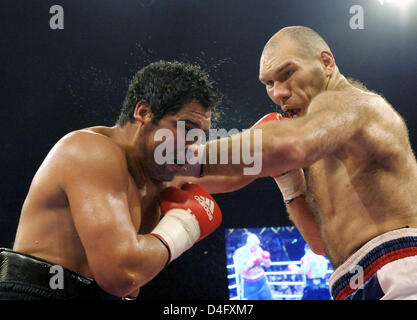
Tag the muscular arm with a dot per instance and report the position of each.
(334, 118)
(216, 184)
(94, 177)
(361, 121)
(303, 218)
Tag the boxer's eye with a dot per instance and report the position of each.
(287, 74)
(188, 128)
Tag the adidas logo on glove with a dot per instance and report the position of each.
(207, 204)
(188, 214)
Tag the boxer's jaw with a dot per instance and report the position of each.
(174, 127)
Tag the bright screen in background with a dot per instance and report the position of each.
(292, 273)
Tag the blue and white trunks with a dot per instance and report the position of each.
(385, 268)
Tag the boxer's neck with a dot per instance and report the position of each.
(129, 138)
(337, 81)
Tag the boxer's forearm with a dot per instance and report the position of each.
(305, 221)
(136, 267)
(225, 184)
(245, 271)
(255, 152)
(267, 263)
(215, 184)
(153, 256)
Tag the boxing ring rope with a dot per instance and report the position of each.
(238, 280)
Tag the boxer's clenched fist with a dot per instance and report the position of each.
(189, 215)
(291, 184)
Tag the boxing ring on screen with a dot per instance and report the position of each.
(274, 263)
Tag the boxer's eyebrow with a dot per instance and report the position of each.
(279, 69)
(194, 125)
(284, 66)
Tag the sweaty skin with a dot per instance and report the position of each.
(361, 171)
(367, 186)
(93, 202)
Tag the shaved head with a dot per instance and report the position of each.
(308, 40)
(295, 66)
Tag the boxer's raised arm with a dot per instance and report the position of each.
(95, 180)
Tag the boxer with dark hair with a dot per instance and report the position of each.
(93, 208)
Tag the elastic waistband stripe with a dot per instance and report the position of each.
(373, 261)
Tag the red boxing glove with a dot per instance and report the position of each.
(254, 260)
(269, 117)
(273, 116)
(292, 183)
(202, 205)
(266, 255)
(189, 215)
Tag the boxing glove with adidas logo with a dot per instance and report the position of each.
(188, 214)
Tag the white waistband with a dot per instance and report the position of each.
(354, 259)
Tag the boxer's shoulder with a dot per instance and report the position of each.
(371, 103)
(348, 98)
(96, 134)
(88, 150)
(366, 104)
(89, 142)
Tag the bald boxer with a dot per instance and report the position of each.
(249, 261)
(90, 225)
(357, 201)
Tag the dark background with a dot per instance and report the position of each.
(56, 81)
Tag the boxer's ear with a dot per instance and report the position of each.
(328, 62)
(142, 112)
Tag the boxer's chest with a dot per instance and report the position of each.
(328, 186)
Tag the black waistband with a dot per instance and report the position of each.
(22, 268)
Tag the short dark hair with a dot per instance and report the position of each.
(166, 86)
